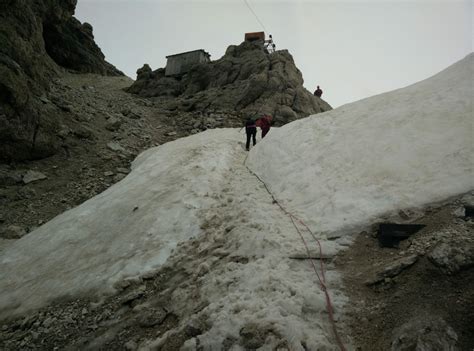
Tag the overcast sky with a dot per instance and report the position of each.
(352, 49)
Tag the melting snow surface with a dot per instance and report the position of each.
(406, 148)
(128, 229)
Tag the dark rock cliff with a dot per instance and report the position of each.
(36, 38)
(246, 79)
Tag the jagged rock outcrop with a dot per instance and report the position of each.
(71, 45)
(246, 79)
(35, 37)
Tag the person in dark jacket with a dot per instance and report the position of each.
(318, 92)
(251, 131)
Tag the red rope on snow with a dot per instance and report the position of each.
(322, 277)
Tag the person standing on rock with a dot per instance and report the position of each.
(318, 92)
(251, 131)
(264, 123)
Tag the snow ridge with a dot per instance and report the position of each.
(347, 167)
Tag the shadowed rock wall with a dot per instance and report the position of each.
(35, 37)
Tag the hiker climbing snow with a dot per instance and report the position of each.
(251, 132)
(264, 123)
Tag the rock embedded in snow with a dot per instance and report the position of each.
(468, 200)
(252, 336)
(151, 317)
(33, 176)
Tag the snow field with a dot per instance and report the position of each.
(129, 229)
(196, 187)
(260, 287)
(347, 167)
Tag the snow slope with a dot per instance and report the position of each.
(194, 195)
(128, 229)
(347, 167)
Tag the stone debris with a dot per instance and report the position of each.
(33, 176)
(426, 333)
(9, 177)
(130, 345)
(115, 146)
(83, 132)
(133, 114)
(152, 317)
(122, 170)
(452, 257)
(393, 269)
(113, 124)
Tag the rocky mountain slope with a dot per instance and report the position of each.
(102, 129)
(37, 39)
(247, 79)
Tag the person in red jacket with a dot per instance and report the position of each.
(318, 92)
(264, 123)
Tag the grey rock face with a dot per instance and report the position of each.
(424, 334)
(71, 45)
(247, 79)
